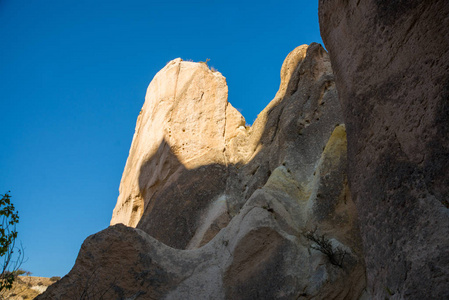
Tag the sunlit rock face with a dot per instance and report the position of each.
(178, 160)
(391, 62)
(216, 209)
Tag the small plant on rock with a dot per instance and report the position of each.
(205, 62)
(55, 278)
(322, 244)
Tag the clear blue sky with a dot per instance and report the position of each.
(73, 76)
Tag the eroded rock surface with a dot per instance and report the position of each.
(180, 139)
(391, 61)
(222, 210)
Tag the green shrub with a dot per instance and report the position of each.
(8, 234)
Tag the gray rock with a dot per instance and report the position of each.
(391, 62)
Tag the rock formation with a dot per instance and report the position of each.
(391, 62)
(216, 209)
(181, 138)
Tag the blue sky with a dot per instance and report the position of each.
(73, 76)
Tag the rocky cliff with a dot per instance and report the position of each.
(216, 209)
(391, 61)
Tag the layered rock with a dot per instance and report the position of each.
(391, 61)
(226, 211)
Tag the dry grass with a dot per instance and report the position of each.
(27, 287)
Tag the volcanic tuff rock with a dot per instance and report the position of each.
(391, 61)
(180, 139)
(222, 210)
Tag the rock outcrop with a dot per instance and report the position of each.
(180, 140)
(391, 62)
(219, 210)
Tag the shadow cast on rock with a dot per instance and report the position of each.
(242, 221)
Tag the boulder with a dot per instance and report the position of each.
(391, 62)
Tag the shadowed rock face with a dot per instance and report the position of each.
(221, 210)
(391, 61)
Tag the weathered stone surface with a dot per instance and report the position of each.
(180, 139)
(391, 61)
(239, 200)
